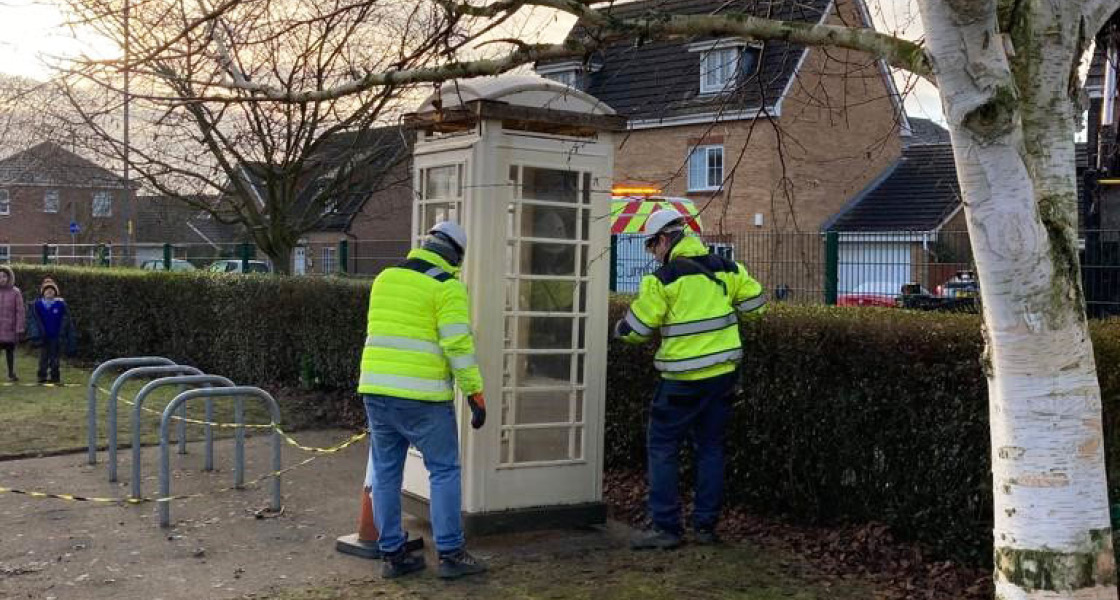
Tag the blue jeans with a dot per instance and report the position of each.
(681, 410)
(394, 424)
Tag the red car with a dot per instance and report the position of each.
(872, 293)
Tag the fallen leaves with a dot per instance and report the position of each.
(867, 551)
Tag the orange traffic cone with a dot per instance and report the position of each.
(367, 529)
(364, 543)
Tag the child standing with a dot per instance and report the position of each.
(50, 314)
(12, 318)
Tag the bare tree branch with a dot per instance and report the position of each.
(895, 51)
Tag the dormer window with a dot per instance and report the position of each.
(724, 63)
(571, 73)
(568, 78)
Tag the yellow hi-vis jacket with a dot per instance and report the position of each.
(418, 333)
(692, 302)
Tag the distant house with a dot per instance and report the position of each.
(768, 137)
(909, 224)
(372, 214)
(50, 196)
(192, 232)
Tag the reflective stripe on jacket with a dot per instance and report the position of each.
(692, 303)
(418, 334)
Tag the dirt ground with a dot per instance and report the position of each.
(217, 548)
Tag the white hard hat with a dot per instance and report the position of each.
(661, 219)
(453, 231)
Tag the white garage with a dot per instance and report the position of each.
(874, 263)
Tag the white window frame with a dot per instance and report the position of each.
(568, 77)
(1109, 104)
(108, 203)
(329, 262)
(729, 70)
(5, 253)
(52, 207)
(567, 72)
(5, 203)
(705, 151)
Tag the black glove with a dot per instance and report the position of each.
(478, 410)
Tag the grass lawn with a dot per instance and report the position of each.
(735, 572)
(47, 419)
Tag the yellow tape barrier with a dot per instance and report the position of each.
(76, 498)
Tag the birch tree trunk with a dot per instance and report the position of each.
(1011, 116)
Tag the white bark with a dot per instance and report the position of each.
(1014, 152)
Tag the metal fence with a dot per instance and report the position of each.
(349, 257)
(807, 268)
(858, 268)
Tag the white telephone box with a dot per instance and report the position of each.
(525, 165)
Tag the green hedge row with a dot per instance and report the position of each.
(846, 414)
(259, 329)
(855, 415)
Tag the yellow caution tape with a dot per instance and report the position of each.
(330, 450)
(287, 438)
(49, 385)
(76, 498)
(189, 420)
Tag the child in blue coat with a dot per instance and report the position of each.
(50, 316)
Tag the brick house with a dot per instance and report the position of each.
(373, 215)
(909, 224)
(46, 188)
(768, 138)
(193, 233)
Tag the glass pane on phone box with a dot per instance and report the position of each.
(547, 295)
(434, 213)
(541, 370)
(541, 258)
(550, 406)
(541, 444)
(441, 182)
(546, 333)
(552, 222)
(552, 185)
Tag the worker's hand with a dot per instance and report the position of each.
(478, 410)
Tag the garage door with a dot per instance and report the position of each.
(873, 264)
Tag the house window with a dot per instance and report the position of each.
(5, 253)
(705, 168)
(5, 203)
(569, 78)
(328, 260)
(52, 253)
(50, 201)
(724, 62)
(717, 69)
(102, 204)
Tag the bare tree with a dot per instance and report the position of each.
(1006, 72)
(279, 168)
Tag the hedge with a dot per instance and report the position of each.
(846, 415)
(250, 328)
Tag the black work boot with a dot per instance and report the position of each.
(401, 563)
(459, 563)
(655, 539)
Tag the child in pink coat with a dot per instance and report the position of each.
(12, 318)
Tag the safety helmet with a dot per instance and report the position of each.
(661, 219)
(452, 231)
